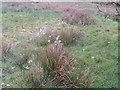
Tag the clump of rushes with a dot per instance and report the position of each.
(45, 36)
(57, 63)
(49, 57)
(67, 37)
(51, 67)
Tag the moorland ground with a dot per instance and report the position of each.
(96, 52)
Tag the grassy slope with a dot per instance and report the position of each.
(96, 44)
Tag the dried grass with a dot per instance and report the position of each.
(50, 57)
(57, 62)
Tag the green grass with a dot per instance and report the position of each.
(98, 43)
(106, 54)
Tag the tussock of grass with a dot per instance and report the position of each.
(67, 37)
(54, 57)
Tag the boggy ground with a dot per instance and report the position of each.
(29, 29)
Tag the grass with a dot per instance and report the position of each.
(96, 55)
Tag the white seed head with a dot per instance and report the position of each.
(8, 85)
(77, 77)
(50, 36)
(2, 83)
(30, 61)
(35, 48)
(27, 67)
(92, 57)
(55, 42)
(83, 49)
(60, 41)
(108, 42)
(49, 41)
(13, 68)
(57, 38)
(40, 30)
(23, 30)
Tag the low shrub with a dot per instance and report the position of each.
(75, 16)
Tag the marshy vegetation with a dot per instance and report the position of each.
(58, 45)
